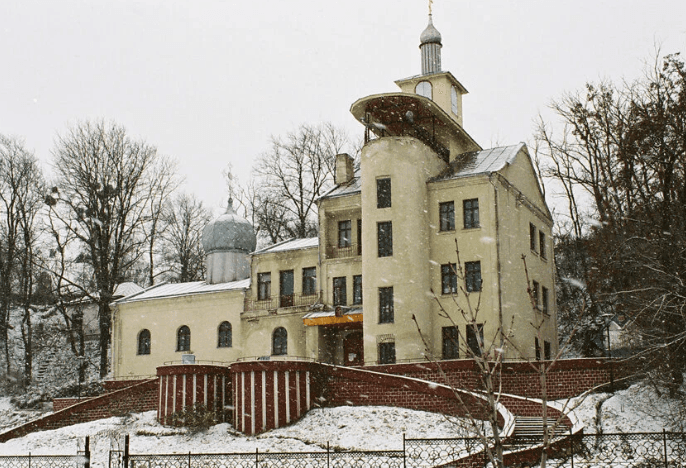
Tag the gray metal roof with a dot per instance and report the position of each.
(480, 162)
(348, 189)
(167, 290)
(331, 313)
(291, 244)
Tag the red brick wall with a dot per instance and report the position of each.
(59, 404)
(137, 398)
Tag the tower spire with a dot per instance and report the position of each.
(430, 47)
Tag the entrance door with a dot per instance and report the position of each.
(353, 349)
(286, 288)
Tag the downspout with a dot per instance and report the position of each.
(497, 255)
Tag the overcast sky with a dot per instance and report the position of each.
(209, 81)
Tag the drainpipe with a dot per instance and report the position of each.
(497, 254)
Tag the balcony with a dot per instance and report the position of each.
(276, 302)
(352, 250)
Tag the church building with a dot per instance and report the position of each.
(419, 256)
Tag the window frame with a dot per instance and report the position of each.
(472, 275)
(280, 348)
(535, 290)
(357, 289)
(386, 352)
(383, 192)
(542, 245)
(143, 343)
(470, 213)
(225, 335)
(264, 288)
(532, 238)
(450, 342)
(475, 338)
(340, 291)
(183, 339)
(386, 305)
(544, 300)
(449, 278)
(384, 234)
(345, 233)
(309, 281)
(446, 216)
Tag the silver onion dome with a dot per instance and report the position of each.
(229, 232)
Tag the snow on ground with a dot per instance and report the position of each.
(638, 408)
(352, 428)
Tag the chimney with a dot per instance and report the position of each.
(344, 169)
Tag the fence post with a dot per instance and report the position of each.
(29, 459)
(664, 444)
(126, 451)
(571, 445)
(404, 455)
(87, 453)
(257, 459)
(327, 455)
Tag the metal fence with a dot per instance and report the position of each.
(635, 450)
(80, 460)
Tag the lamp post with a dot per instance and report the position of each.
(608, 320)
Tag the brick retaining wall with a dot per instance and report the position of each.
(140, 397)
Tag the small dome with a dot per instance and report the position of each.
(229, 232)
(430, 34)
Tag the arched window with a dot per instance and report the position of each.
(144, 342)
(423, 88)
(280, 342)
(183, 339)
(224, 340)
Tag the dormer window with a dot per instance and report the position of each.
(423, 88)
(453, 99)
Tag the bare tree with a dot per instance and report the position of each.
(183, 254)
(104, 184)
(291, 176)
(622, 153)
(21, 186)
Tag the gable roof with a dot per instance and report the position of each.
(480, 162)
(166, 290)
(353, 186)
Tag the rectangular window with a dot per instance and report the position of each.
(534, 293)
(264, 286)
(472, 272)
(387, 353)
(339, 291)
(448, 279)
(475, 338)
(451, 349)
(383, 193)
(386, 305)
(309, 281)
(546, 350)
(359, 237)
(357, 289)
(344, 234)
(532, 237)
(544, 300)
(286, 287)
(538, 349)
(447, 214)
(470, 209)
(385, 238)
(541, 239)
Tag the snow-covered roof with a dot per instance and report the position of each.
(353, 186)
(127, 289)
(480, 162)
(166, 290)
(291, 244)
(331, 313)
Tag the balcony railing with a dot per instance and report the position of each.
(276, 302)
(353, 250)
